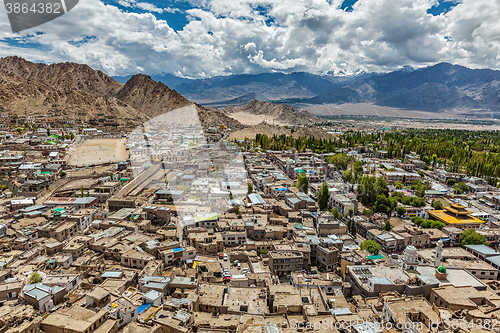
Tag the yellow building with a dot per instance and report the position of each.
(455, 215)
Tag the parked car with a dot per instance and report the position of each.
(239, 265)
(224, 256)
(221, 255)
(236, 262)
(226, 279)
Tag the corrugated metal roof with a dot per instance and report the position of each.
(256, 198)
(112, 274)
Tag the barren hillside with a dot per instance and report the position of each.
(282, 114)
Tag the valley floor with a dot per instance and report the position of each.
(253, 119)
(367, 109)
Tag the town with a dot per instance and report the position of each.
(174, 228)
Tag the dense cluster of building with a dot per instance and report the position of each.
(189, 236)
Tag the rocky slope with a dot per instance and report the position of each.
(62, 76)
(439, 87)
(33, 98)
(243, 99)
(212, 117)
(431, 96)
(149, 96)
(78, 93)
(338, 96)
(406, 88)
(280, 113)
(269, 85)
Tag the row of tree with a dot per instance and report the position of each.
(473, 152)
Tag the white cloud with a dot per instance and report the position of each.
(242, 36)
(146, 6)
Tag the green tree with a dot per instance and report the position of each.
(249, 188)
(432, 224)
(387, 226)
(303, 183)
(369, 188)
(62, 174)
(418, 202)
(401, 210)
(353, 229)
(170, 198)
(384, 204)
(398, 185)
(420, 187)
(450, 182)
(35, 278)
(350, 223)
(472, 237)
(437, 205)
(81, 190)
(341, 161)
(417, 220)
(460, 188)
(323, 197)
(336, 214)
(370, 246)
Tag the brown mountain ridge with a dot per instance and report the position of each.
(69, 91)
(279, 113)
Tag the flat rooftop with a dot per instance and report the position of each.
(456, 277)
(401, 306)
(448, 253)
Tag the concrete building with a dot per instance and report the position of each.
(343, 204)
(284, 263)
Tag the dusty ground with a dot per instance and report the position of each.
(97, 151)
(252, 119)
(86, 183)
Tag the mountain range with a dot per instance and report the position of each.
(75, 92)
(434, 88)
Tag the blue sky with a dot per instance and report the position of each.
(204, 38)
(174, 12)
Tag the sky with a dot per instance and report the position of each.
(206, 38)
